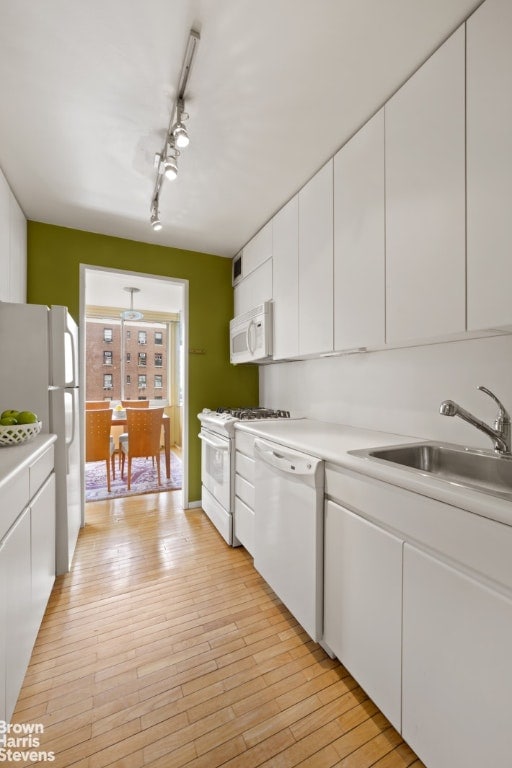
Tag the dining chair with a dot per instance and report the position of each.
(144, 429)
(99, 444)
(96, 405)
(123, 437)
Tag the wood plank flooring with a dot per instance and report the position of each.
(165, 648)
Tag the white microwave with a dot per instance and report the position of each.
(250, 335)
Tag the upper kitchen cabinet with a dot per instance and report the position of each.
(285, 268)
(359, 252)
(256, 284)
(425, 199)
(316, 263)
(13, 246)
(489, 164)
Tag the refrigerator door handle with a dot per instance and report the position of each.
(74, 369)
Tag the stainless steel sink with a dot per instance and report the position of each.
(480, 470)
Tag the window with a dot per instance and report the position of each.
(142, 358)
(142, 337)
(158, 359)
(107, 357)
(108, 381)
(158, 381)
(128, 357)
(142, 381)
(108, 335)
(128, 379)
(128, 334)
(159, 337)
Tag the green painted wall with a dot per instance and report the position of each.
(53, 274)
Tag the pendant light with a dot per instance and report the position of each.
(131, 314)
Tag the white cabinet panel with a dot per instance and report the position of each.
(489, 164)
(3, 616)
(254, 289)
(258, 250)
(363, 604)
(359, 274)
(18, 252)
(457, 674)
(316, 263)
(19, 622)
(42, 521)
(5, 259)
(285, 266)
(425, 199)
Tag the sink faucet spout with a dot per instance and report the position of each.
(500, 434)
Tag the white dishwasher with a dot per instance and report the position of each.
(288, 528)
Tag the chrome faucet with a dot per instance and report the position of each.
(500, 435)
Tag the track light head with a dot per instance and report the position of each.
(180, 135)
(170, 167)
(155, 217)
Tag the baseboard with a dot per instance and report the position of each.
(193, 504)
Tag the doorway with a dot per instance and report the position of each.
(139, 324)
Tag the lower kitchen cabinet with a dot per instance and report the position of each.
(363, 604)
(457, 669)
(3, 598)
(42, 528)
(244, 490)
(19, 639)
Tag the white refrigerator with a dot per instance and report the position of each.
(39, 373)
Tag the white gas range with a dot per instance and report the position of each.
(218, 462)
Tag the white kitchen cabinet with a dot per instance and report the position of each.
(17, 252)
(13, 246)
(425, 199)
(19, 622)
(258, 250)
(363, 604)
(42, 530)
(244, 490)
(285, 281)
(27, 558)
(3, 611)
(359, 250)
(457, 672)
(5, 258)
(316, 263)
(489, 164)
(253, 289)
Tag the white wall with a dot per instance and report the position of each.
(398, 390)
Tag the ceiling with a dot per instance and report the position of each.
(107, 288)
(276, 87)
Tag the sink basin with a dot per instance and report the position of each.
(480, 470)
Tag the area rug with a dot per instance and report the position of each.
(144, 479)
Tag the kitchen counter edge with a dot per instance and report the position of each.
(333, 443)
(15, 458)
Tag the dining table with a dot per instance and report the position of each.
(122, 421)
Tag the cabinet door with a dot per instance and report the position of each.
(363, 604)
(5, 258)
(359, 286)
(19, 623)
(254, 289)
(258, 250)
(425, 199)
(18, 252)
(285, 269)
(457, 669)
(489, 164)
(42, 520)
(316, 263)
(3, 598)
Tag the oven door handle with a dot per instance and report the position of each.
(213, 443)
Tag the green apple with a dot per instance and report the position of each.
(26, 417)
(10, 414)
(8, 421)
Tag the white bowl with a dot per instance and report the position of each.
(16, 434)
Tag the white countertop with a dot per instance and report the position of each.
(14, 458)
(333, 442)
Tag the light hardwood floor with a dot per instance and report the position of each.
(164, 647)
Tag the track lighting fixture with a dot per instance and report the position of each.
(177, 136)
(155, 216)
